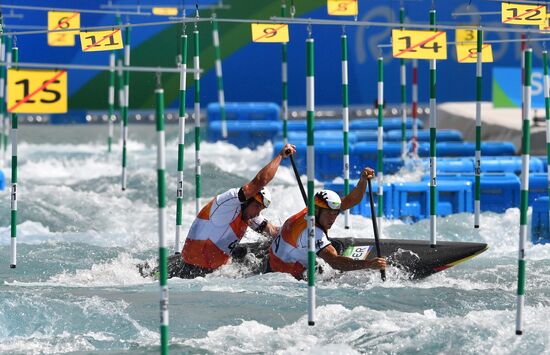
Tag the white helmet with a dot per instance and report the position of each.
(263, 197)
(328, 199)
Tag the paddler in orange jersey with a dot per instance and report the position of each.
(222, 223)
(289, 251)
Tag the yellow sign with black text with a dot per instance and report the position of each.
(342, 7)
(270, 33)
(419, 44)
(466, 53)
(523, 14)
(466, 35)
(101, 40)
(37, 91)
(60, 20)
(165, 11)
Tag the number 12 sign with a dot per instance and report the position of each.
(419, 44)
(37, 91)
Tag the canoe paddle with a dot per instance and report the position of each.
(375, 227)
(297, 176)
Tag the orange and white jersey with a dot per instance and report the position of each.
(288, 252)
(215, 232)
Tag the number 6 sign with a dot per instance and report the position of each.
(58, 20)
(271, 33)
(37, 91)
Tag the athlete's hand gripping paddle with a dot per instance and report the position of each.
(375, 227)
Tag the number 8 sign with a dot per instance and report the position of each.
(37, 91)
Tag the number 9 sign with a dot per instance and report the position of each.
(37, 91)
(270, 32)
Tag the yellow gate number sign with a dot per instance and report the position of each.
(419, 44)
(342, 7)
(101, 40)
(165, 11)
(58, 20)
(467, 53)
(522, 14)
(466, 35)
(37, 91)
(269, 33)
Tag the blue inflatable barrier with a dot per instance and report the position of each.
(467, 149)
(540, 225)
(509, 165)
(444, 135)
(389, 124)
(498, 191)
(363, 208)
(244, 133)
(245, 111)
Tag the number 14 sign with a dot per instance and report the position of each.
(419, 44)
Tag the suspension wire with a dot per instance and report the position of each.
(43, 8)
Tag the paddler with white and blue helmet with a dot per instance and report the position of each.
(288, 252)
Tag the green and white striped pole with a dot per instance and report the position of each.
(310, 108)
(547, 110)
(120, 83)
(415, 107)
(525, 151)
(196, 64)
(403, 76)
(181, 141)
(219, 75)
(7, 50)
(433, 131)
(163, 248)
(13, 138)
(345, 117)
(477, 184)
(111, 118)
(284, 75)
(380, 145)
(125, 107)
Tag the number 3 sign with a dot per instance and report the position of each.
(37, 91)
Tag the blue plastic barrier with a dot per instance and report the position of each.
(363, 208)
(244, 133)
(454, 197)
(444, 135)
(411, 200)
(245, 111)
(467, 149)
(389, 124)
(320, 125)
(319, 136)
(509, 165)
(544, 161)
(540, 225)
(498, 191)
(2, 181)
(366, 154)
(538, 186)
(451, 165)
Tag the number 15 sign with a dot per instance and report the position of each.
(37, 91)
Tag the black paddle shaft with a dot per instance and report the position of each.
(297, 177)
(375, 227)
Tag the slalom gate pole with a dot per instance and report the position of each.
(181, 143)
(345, 117)
(524, 195)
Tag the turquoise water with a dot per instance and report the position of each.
(76, 288)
